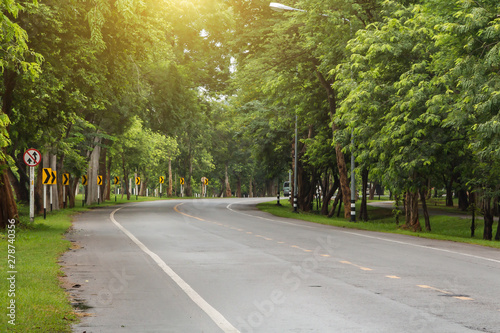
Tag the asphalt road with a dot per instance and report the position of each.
(220, 265)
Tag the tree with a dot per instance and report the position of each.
(16, 58)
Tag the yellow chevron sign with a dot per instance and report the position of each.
(137, 180)
(49, 176)
(99, 180)
(85, 181)
(162, 179)
(65, 179)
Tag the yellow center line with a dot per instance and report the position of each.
(300, 248)
(392, 277)
(432, 288)
(193, 217)
(463, 298)
(248, 232)
(266, 238)
(360, 267)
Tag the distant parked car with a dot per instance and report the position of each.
(286, 189)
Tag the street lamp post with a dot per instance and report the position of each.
(280, 7)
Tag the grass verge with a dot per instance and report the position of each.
(41, 304)
(451, 228)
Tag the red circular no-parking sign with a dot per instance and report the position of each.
(32, 157)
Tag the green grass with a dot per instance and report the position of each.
(451, 228)
(41, 303)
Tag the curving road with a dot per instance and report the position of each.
(220, 265)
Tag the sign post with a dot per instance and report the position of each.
(204, 182)
(53, 181)
(99, 183)
(117, 181)
(48, 178)
(162, 180)
(182, 187)
(137, 183)
(65, 182)
(84, 184)
(32, 158)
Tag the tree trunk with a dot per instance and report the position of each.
(463, 200)
(189, 190)
(396, 210)
(226, 183)
(472, 200)
(341, 164)
(449, 193)
(143, 186)
(304, 190)
(364, 206)
(250, 188)
(107, 178)
(126, 182)
(423, 194)
(169, 189)
(71, 192)
(8, 207)
(337, 201)
(21, 186)
(372, 190)
(497, 235)
(407, 208)
(413, 222)
(39, 190)
(344, 180)
(19, 189)
(134, 184)
(340, 206)
(102, 172)
(429, 191)
(93, 169)
(328, 196)
(238, 186)
(488, 219)
(55, 188)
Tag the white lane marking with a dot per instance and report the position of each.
(422, 246)
(216, 317)
(372, 237)
(264, 218)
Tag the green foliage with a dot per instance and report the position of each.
(16, 52)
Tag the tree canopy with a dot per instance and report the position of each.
(216, 88)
